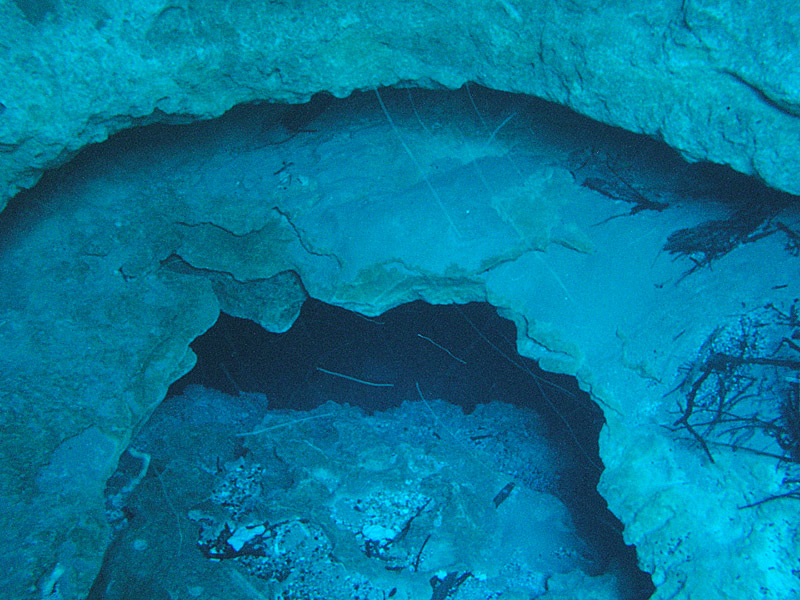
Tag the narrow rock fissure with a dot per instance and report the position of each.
(412, 454)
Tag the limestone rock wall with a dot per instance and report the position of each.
(114, 264)
(718, 82)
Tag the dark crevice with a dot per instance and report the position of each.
(465, 355)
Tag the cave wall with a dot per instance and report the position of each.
(150, 234)
(114, 264)
(717, 81)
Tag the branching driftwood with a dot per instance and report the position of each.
(743, 392)
(750, 220)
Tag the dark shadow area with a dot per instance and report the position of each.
(35, 11)
(463, 354)
(435, 346)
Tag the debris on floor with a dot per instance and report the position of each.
(419, 502)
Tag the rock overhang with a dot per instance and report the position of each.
(687, 73)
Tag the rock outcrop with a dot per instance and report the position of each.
(716, 82)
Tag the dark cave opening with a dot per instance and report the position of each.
(439, 347)
(463, 354)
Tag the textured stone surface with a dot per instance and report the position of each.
(359, 484)
(717, 81)
(111, 266)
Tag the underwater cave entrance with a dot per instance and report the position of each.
(446, 366)
(465, 354)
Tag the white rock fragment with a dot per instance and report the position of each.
(244, 534)
(378, 533)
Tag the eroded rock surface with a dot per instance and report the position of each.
(717, 82)
(340, 504)
(113, 265)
